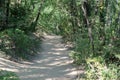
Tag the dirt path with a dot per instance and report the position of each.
(52, 63)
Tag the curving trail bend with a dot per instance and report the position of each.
(53, 63)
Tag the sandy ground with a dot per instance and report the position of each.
(53, 63)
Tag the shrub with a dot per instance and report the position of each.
(98, 70)
(77, 57)
(17, 43)
(5, 75)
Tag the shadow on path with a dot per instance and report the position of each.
(52, 63)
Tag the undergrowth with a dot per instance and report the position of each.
(6, 75)
(17, 44)
(96, 67)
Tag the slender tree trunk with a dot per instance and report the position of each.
(34, 23)
(2, 15)
(103, 12)
(73, 12)
(85, 11)
(7, 12)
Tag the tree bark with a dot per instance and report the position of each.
(73, 12)
(34, 23)
(85, 11)
(2, 14)
(7, 12)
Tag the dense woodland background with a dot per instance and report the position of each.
(91, 26)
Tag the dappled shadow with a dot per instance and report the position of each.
(52, 64)
(11, 49)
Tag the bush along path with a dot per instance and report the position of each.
(53, 63)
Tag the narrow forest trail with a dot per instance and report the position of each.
(53, 63)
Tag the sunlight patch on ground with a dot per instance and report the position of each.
(62, 78)
(32, 76)
(59, 49)
(51, 64)
(8, 69)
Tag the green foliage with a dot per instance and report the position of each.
(76, 57)
(19, 11)
(5, 75)
(17, 43)
(20, 17)
(91, 25)
(97, 70)
(103, 19)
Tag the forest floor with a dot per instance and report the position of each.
(53, 63)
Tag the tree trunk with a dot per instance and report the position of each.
(85, 11)
(73, 12)
(2, 15)
(7, 12)
(34, 23)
